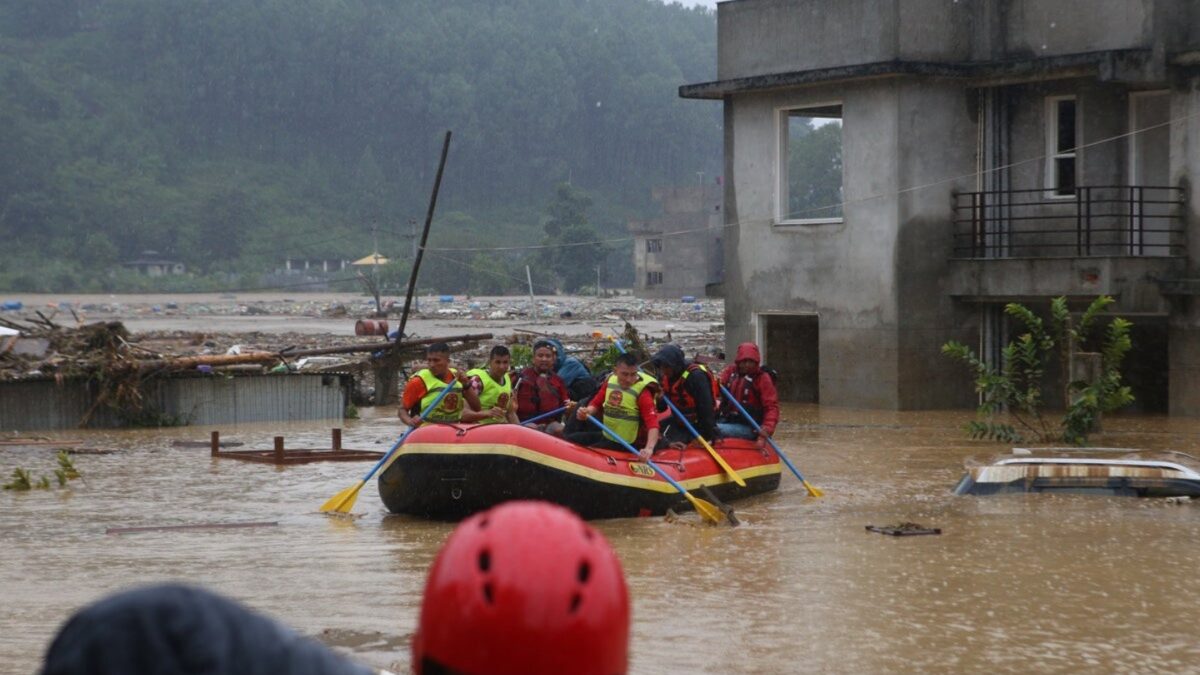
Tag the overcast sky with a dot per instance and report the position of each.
(711, 4)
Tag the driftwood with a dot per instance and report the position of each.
(378, 346)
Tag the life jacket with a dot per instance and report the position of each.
(544, 395)
(451, 407)
(494, 395)
(745, 389)
(682, 398)
(621, 409)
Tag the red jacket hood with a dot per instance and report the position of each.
(748, 350)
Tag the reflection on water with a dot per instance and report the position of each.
(1015, 583)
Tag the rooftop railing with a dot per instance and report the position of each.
(1113, 220)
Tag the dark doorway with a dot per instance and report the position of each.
(1145, 368)
(791, 346)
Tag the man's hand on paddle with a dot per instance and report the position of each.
(583, 413)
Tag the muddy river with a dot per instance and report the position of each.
(1015, 584)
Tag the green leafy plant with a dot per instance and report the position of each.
(22, 479)
(522, 356)
(1013, 391)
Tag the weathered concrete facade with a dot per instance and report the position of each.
(991, 151)
(680, 253)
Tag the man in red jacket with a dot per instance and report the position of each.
(754, 388)
(540, 390)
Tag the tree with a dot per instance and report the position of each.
(571, 250)
(1015, 388)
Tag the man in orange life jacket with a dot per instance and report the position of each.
(540, 389)
(427, 384)
(754, 388)
(692, 389)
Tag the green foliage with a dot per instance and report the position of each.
(522, 356)
(229, 135)
(1015, 388)
(23, 479)
(351, 412)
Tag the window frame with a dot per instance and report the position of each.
(654, 245)
(1053, 155)
(654, 278)
(782, 194)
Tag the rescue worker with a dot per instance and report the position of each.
(693, 389)
(626, 402)
(540, 390)
(754, 388)
(424, 387)
(493, 386)
(525, 587)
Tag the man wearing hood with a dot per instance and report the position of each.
(692, 389)
(540, 390)
(754, 388)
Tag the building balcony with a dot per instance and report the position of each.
(1121, 241)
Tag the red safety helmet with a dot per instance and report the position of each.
(524, 588)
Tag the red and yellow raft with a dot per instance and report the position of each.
(449, 471)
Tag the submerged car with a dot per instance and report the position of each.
(1107, 471)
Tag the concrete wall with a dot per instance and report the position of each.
(1184, 325)
(935, 143)
(760, 37)
(844, 273)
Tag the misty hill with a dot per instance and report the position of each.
(230, 134)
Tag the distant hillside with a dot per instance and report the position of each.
(230, 134)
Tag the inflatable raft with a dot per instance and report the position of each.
(448, 471)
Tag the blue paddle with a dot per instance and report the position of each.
(812, 490)
(706, 509)
(343, 501)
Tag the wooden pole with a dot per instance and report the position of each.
(216, 443)
(279, 449)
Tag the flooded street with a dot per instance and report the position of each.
(1016, 583)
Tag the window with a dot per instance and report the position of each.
(653, 278)
(1062, 140)
(653, 245)
(810, 166)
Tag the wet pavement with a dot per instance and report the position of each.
(1016, 583)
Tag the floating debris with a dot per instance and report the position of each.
(904, 529)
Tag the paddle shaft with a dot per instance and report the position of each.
(544, 415)
(758, 428)
(432, 406)
(603, 427)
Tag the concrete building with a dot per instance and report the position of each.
(153, 266)
(989, 151)
(679, 253)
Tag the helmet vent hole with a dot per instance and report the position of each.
(483, 523)
(487, 592)
(485, 560)
(585, 570)
(576, 600)
(587, 533)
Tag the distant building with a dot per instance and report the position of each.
(303, 265)
(679, 253)
(987, 151)
(153, 266)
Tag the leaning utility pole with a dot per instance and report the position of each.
(385, 373)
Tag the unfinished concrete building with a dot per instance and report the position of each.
(987, 151)
(679, 254)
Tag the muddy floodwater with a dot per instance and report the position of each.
(1015, 583)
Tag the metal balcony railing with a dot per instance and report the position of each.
(1117, 220)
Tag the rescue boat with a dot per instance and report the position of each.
(449, 471)
(1106, 471)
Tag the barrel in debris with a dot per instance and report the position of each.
(371, 327)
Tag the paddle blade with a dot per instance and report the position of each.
(737, 478)
(706, 509)
(812, 489)
(343, 501)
